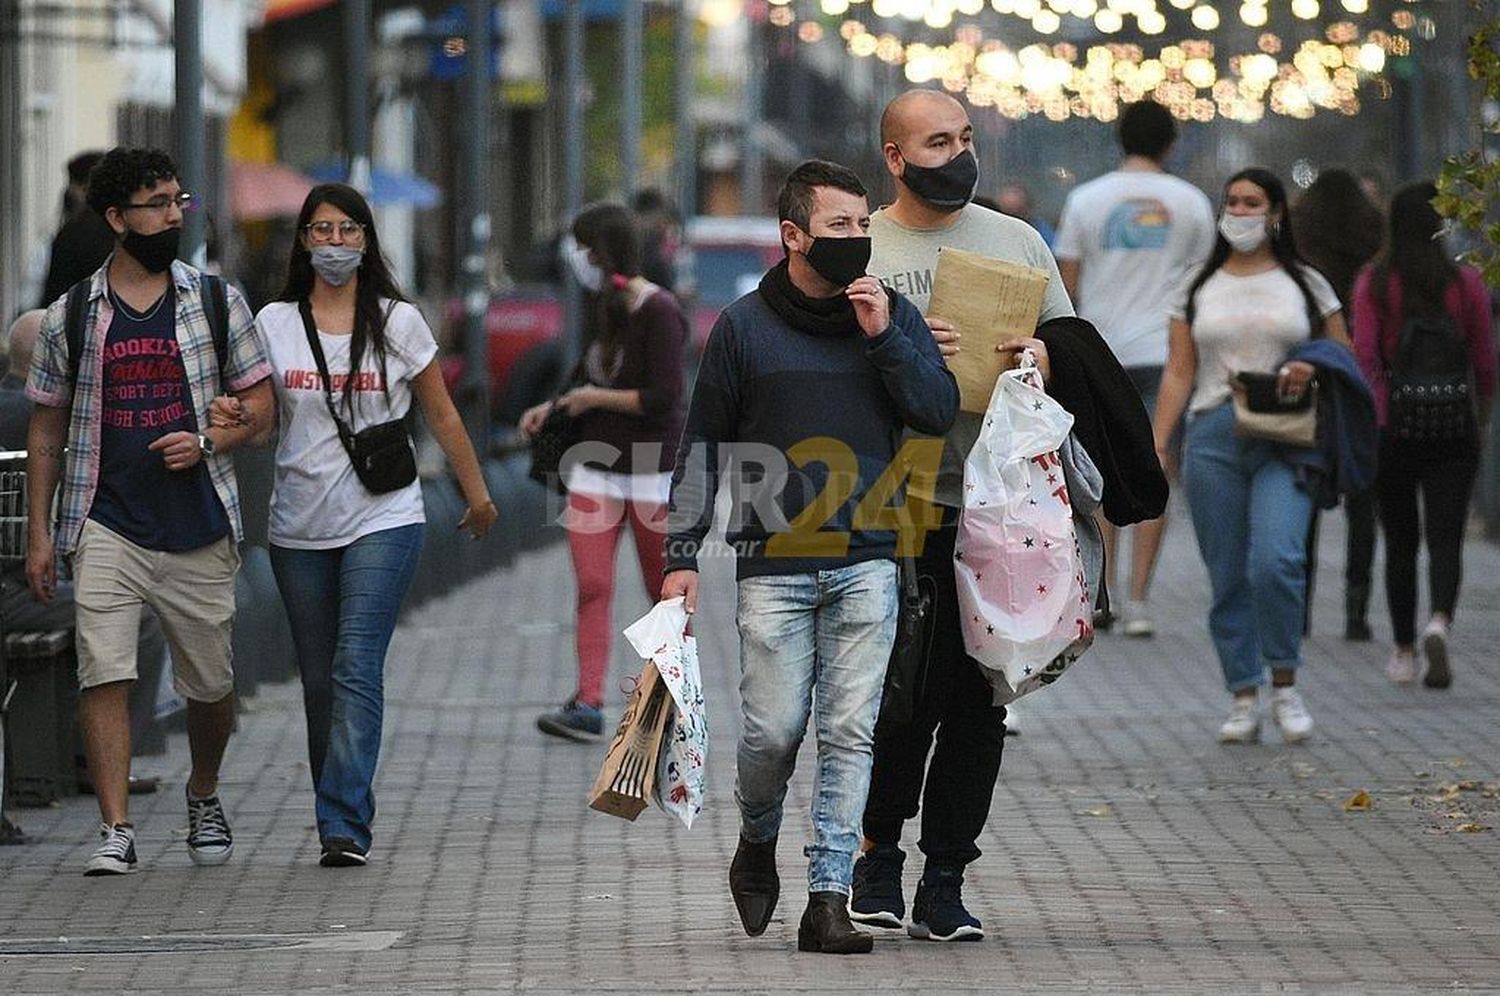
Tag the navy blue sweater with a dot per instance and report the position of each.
(829, 409)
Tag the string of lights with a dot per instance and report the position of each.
(1086, 58)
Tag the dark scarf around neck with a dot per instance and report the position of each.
(813, 315)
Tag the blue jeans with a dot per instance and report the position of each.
(1251, 514)
(342, 604)
(831, 631)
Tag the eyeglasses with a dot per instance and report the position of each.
(322, 231)
(182, 199)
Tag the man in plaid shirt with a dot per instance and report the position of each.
(149, 511)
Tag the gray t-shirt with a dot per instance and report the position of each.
(905, 259)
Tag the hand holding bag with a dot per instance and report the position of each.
(681, 776)
(559, 431)
(1026, 610)
(382, 454)
(1262, 412)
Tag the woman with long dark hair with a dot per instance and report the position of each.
(1412, 284)
(343, 554)
(1245, 311)
(628, 400)
(1339, 230)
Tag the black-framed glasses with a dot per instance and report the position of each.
(182, 199)
(348, 231)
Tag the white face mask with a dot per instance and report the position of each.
(589, 276)
(1243, 232)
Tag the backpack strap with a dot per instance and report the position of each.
(75, 318)
(216, 310)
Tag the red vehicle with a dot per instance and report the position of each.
(722, 259)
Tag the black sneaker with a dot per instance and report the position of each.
(877, 900)
(574, 721)
(116, 855)
(937, 912)
(341, 852)
(209, 840)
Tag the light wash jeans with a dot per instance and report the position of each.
(1251, 514)
(342, 604)
(829, 632)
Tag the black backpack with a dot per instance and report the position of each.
(215, 308)
(1431, 381)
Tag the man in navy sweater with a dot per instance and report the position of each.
(805, 389)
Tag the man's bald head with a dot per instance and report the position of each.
(913, 111)
(21, 341)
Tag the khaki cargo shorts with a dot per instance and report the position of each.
(192, 593)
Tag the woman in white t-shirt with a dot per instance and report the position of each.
(344, 556)
(1251, 305)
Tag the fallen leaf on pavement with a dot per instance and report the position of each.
(1359, 802)
(1471, 828)
(1099, 811)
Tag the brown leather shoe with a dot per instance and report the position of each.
(754, 884)
(826, 928)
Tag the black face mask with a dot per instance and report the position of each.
(154, 252)
(839, 261)
(949, 186)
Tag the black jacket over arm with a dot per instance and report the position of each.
(1108, 419)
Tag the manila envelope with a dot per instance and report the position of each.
(988, 301)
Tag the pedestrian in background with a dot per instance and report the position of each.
(1245, 311)
(343, 557)
(85, 238)
(1128, 241)
(1338, 231)
(1415, 280)
(627, 399)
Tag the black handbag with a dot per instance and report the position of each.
(1262, 412)
(382, 454)
(558, 432)
(907, 669)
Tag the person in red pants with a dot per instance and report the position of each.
(628, 400)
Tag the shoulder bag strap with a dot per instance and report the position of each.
(346, 435)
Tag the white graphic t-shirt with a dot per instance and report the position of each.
(318, 502)
(1248, 323)
(1136, 235)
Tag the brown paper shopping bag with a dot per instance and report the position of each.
(988, 301)
(628, 776)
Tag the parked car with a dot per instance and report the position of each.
(722, 259)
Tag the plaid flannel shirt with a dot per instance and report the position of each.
(49, 385)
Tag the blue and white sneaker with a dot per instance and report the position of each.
(574, 721)
(937, 912)
(876, 900)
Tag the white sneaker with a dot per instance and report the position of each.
(1291, 715)
(1435, 649)
(116, 855)
(1243, 724)
(1138, 620)
(1402, 667)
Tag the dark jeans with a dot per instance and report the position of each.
(1445, 477)
(342, 604)
(954, 708)
(1359, 551)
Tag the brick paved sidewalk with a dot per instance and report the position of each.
(1127, 851)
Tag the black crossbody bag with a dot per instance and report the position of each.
(382, 454)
